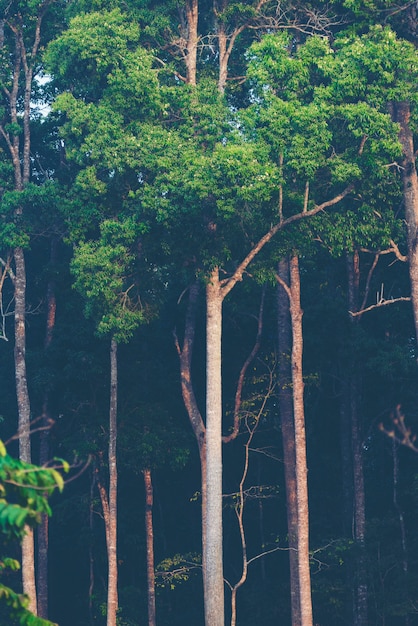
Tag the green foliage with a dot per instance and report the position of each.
(104, 273)
(376, 68)
(177, 569)
(24, 492)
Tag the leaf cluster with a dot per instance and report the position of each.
(24, 492)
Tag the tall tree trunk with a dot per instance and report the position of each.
(402, 115)
(112, 598)
(149, 532)
(288, 434)
(213, 560)
(185, 352)
(300, 447)
(109, 500)
(189, 15)
(28, 549)
(359, 504)
(42, 534)
(304, 605)
(402, 529)
(19, 149)
(91, 552)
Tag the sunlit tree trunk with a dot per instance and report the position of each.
(149, 532)
(300, 447)
(109, 499)
(189, 14)
(18, 146)
(28, 548)
(214, 583)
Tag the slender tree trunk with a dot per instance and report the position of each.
(300, 447)
(112, 598)
(42, 541)
(149, 532)
(19, 149)
(410, 196)
(288, 435)
(214, 583)
(28, 548)
(91, 553)
(42, 534)
(109, 500)
(185, 353)
(359, 504)
(402, 529)
(346, 459)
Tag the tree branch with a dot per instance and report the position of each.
(382, 302)
(401, 433)
(240, 384)
(229, 283)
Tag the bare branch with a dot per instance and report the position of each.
(241, 379)
(382, 302)
(369, 277)
(400, 432)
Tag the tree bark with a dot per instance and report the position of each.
(214, 584)
(149, 532)
(112, 597)
(402, 115)
(359, 504)
(185, 353)
(189, 38)
(109, 500)
(288, 434)
(19, 149)
(300, 447)
(28, 549)
(42, 534)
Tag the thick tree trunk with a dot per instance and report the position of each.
(189, 33)
(213, 561)
(288, 434)
(300, 447)
(112, 597)
(410, 196)
(149, 532)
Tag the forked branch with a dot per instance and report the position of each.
(401, 433)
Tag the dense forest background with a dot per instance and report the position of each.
(169, 169)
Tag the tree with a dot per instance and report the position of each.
(23, 32)
(171, 162)
(100, 273)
